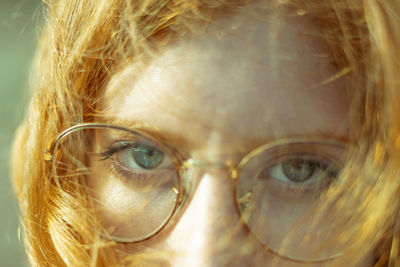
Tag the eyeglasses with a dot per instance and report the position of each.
(138, 183)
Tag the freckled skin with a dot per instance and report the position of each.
(217, 96)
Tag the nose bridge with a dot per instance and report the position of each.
(210, 166)
(210, 223)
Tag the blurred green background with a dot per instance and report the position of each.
(19, 21)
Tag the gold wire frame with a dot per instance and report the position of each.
(181, 164)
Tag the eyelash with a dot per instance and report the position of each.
(112, 149)
(116, 167)
(124, 174)
(139, 177)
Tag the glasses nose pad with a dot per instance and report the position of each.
(244, 205)
(185, 188)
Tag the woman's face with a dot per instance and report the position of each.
(216, 96)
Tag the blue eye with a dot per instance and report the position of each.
(302, 170)
(137, 156)
(299, 170)
(138, 163)
(143, 155)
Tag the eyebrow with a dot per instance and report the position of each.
(183, 145)
(155, 132)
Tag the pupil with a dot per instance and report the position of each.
(147, 157)
(299, 170)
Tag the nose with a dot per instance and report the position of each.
(209, 232)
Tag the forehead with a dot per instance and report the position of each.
(245, 80)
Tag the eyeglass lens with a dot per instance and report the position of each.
(133, 182)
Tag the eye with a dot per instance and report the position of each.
(143, 156)
(302, 170)
(139, 163)
(139, 156)
(299, 170)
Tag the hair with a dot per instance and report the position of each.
(84, 43)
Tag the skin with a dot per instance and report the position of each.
(216, 96)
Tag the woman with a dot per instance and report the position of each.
(213, 133)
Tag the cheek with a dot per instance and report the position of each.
(110, 193)
(113, 201)
(126, 211)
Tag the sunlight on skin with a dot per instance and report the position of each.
(199, 213)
